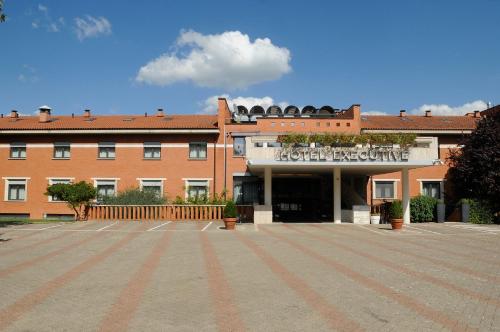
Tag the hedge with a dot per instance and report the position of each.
(479, 212)
(422, 208)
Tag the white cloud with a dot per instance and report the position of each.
(28, 74)
(443, 109)
(227, 60)
(374, 113)
(44, 20)
(89, 26)
(210, 104)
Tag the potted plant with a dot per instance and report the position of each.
(375, 218)
(230, 214)
(396, 214)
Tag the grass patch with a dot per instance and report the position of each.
(22, 221)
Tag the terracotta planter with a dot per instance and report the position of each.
(230, 223)
(397, 223)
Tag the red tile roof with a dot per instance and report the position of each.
(411, 122)
(111, 122)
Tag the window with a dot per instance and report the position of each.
(106, 150)
(18, 150)
(105, 188)
(57, 181)
(15, 189)
(62, 150)
(246, 190)
(197, 189)
(274, 144)
(152, 150)
(152, 185)
(432, 189)
(198, 150)
(239, 146)
(385, 189)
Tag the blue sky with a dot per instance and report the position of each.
(384, 55)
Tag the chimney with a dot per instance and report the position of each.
(14, 114)
(159, 112)
(428, 113)
(44, 114)
(86, 113)
(477, 114)
(402, 113)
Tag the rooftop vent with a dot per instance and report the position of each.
(428, 113)
(44, 113)
(402, 113)
(477, 114)
(14, 114)
(86, 113)
(160, 113)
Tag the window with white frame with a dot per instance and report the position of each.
(106, 150)
(18, 150)
(385, 189)
(15, 189)
(432, 189)
(105, 188)
(152, 185)
(152, 150)
(196, 189)
(198, 150)
(58, 181)
(62, 150)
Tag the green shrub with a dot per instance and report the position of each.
(134, 196)
(230, 210)
(422, 208)
(78, 196)
(396, 210)
(479, 212)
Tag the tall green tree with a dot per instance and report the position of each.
(78, 196)
(475, 168)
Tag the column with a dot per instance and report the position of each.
(406, 195)
(337, 209)
(268, 186)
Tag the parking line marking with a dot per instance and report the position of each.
(103, 228)
(165, 223)
(371, 230)
(425, 230)
(204, 228)
(41, 229)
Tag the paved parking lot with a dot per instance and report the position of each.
(156, 276)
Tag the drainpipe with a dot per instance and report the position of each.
(225, 160)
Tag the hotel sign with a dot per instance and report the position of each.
(342, 154)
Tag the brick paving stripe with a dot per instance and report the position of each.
(14, 311)
(335, 318)
(122, 312)
(422, 309)
(227, 315)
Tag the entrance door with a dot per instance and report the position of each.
(302, 199)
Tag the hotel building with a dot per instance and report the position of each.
(237, 149)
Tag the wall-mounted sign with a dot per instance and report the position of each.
(343, 154)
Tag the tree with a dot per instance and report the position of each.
(475, 169)
(78, 196)
(2, 15)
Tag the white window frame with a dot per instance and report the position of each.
(106, 145)
(8, 181)
(186, 185)
(161, 180)
(18, 145)
(109, 180)
(198, 143)
(151, 145)
(58, 180)
(64, 145)
(441, 186)
(394, 183)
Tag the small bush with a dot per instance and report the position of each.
(396, 210)
(230, 210)
(479, 212)
(134, 196)
(422, 208)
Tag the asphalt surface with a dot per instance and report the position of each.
(157, 276)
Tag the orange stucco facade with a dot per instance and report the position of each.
(174, 167)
